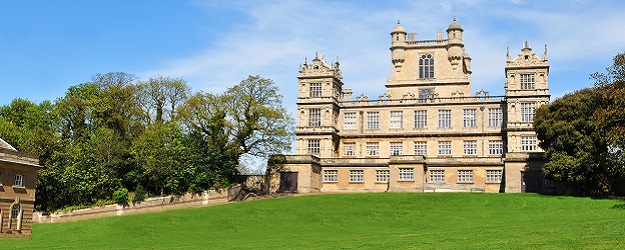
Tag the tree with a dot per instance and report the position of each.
(574, 148)
(583, 133)
(78, 177)
(159, 95)
(75, 111)
(115, 105)
(160, 153)
(247, 119)
(29, 127)
(258, 124)
(211, 152)
(610, 117)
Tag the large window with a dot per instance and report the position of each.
(421, 119)
(406, 174)
(465, 176)
(397, 119)
(19, 180)
(495, 147)
(314, 147)
(382, 175)
(330, 175)
(314, 117)
(349, 121)
(470, 147)
(437, 176)
(373, 148)
(396, 148)
(421, 148)
(356, 175)
(494, 117)
(444, 147)
(528, 143)
(15, 211)
(469, 117)
(527, 111)
(373, 120)
(493, 176)
(444, 118)
(426, 66)
(315, 89)
(527, 81)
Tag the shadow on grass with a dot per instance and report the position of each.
(619, 206)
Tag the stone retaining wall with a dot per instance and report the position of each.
(149, 205)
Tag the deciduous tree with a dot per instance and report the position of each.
(259, 124)
(574, 148)
(583, 133)
(160, 97)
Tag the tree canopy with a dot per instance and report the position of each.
(583, 136)
(115, 132)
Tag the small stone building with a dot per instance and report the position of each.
(18, 179)
(427, 133)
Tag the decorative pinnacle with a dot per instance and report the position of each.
(508, 53)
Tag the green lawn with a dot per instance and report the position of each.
(355, 221)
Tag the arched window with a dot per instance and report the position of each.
(426, 66)
(15, 211)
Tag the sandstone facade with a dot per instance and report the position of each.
(428, 132)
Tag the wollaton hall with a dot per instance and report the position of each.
(427, 133)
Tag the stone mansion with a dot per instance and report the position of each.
(427, 133)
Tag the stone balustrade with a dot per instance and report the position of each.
(427, 42)
(428, 101)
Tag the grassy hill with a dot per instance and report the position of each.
(355, 221)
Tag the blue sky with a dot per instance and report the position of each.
(47, 46)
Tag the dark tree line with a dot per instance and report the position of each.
(118, 132)
(583, 134)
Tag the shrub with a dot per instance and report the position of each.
(121, 196)
(139, 194)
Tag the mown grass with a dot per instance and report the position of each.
(355, 221)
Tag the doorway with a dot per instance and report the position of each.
(531, 182)
(288, 182)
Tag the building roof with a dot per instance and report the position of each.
(398, 28)
(9, 154)
(454, 26)
(5, 145)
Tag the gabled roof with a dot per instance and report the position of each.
(9, 154)
(5, 145)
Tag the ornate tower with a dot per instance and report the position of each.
(320, 92)
(428, 67)
(526, 89)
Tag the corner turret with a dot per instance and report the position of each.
(454, 35)
(398, 46)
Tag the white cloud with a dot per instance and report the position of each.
(272, 38)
